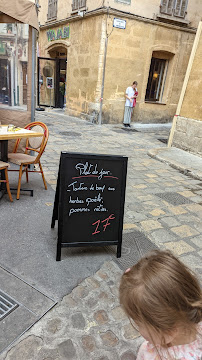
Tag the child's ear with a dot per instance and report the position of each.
(127, 270)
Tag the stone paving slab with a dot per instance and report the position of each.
(32, 305)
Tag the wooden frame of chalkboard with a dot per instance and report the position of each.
(89, 200)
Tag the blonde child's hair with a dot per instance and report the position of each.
(161, 293)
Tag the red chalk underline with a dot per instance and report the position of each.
(85, 176)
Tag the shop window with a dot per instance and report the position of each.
(13, 65)
(156, 80)
(78, 4)
(174, 7)
(52, 9)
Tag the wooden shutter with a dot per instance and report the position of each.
(180, 8)
(83, 3)
(167, 6)
(52, 9)
(49, 9)
(78, 4)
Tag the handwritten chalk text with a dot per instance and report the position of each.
(78, 210)
(102, 224)
(90, 170)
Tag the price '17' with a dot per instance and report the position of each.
(102, 225)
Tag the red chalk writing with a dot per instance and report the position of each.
(106, 222)
(96, 230)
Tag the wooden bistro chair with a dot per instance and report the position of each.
(4, 166)
(24, 160)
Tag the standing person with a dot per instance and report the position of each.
(163, 299)
(130, 95)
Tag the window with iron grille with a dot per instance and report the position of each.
(174, 7)
(156, 80)
(78, 4)
(52, 9)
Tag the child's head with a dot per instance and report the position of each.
(161, 295)
(134, 85)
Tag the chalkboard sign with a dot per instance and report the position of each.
(89, 200)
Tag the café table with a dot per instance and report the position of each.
(6, 135)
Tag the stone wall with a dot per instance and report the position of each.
(192, 102)
(84, 66)
(188, 130)
(128, 59)
(85, 51)
(188, 135)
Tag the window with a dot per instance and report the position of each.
(156, 80)
(52, 9)
(14, 40)
(78, 4)
(124, 1)
(174, 7)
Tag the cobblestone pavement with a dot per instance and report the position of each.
(161, 202)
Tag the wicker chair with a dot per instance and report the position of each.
(24, 160)
(3, 167)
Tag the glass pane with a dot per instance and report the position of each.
(47, 82)
(13, 65)
(155, 79)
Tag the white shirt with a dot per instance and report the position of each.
(130, 92)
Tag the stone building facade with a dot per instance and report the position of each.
(187, 133)
(150, 43)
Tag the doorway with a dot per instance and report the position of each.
(52, 73)
(62, 82)
(4, 82)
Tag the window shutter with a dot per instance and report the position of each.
(170, 7)
(167, 6)
(163, 6)
(78, 4)
(52, 9)
(180, 8)
(56, 5)
(49, 9)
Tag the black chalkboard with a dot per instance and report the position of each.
(89, 200)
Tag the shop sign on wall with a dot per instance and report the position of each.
(61, 33)
(119, 23)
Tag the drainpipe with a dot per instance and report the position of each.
(103, 74)
(33, 74)
(33, 87)
(103, 81)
